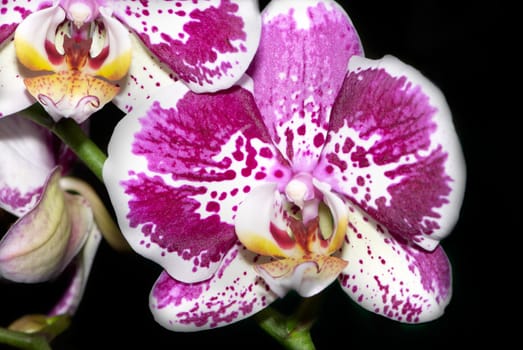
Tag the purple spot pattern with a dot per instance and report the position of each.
(398, 118)
(15, 13)
(297, 74)
(176, 143)
(228, 296)
(14, 199)
(168, 218)
(6, 30)
(190, 54)
(391, 278)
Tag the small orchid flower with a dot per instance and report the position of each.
(55, 227)
(321, 165)
(74, 56)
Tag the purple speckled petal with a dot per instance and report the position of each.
(232, 294)
(298, 70)
(209, 44)
(177, 169)
(13, 93)
(147, 77)
(26, 159)
(13, 12)
(401, 282)
(394, 151)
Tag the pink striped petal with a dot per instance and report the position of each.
(232, 294)
(177, 169)
(398, 281)
(298, 70)
(26, 160)
(209, 44)
(394, 151)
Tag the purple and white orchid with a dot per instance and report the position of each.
(74, 56)
(319, 165)
(55, 228)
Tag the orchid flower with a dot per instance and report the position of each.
(55, 227)
(74, 56)
(320, 165)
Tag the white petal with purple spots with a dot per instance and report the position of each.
(401, 282)
(147, 77)
(176, 182)
(209, 44)
(232, 294)
(393, 149)
(26, 159)
(297, 72)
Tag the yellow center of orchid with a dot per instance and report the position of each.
(74, 61)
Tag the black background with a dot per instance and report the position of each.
(455, 44)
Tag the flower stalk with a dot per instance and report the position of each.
(34, 332)
(93, 157)
(72, 134)
(23, 340)
(293, 332)
(289, 332)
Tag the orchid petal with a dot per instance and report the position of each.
(72, 297)
(116, 65)
(32, 37)
(147, 77)
(232, 294)
(208, 44)
(26, 159)
(305, 276)
(14, 12)
(394, 151)
(261, 224)
(175, 182)
(392, 279)
(13, 94)
(298, 70)
(40, 244)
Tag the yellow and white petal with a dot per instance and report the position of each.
(261, 226)
(32, 39)
(118, 43)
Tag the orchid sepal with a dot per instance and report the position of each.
(40, 244)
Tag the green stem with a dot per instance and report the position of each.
(72, 135)
(23, 340)
(292, 332)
